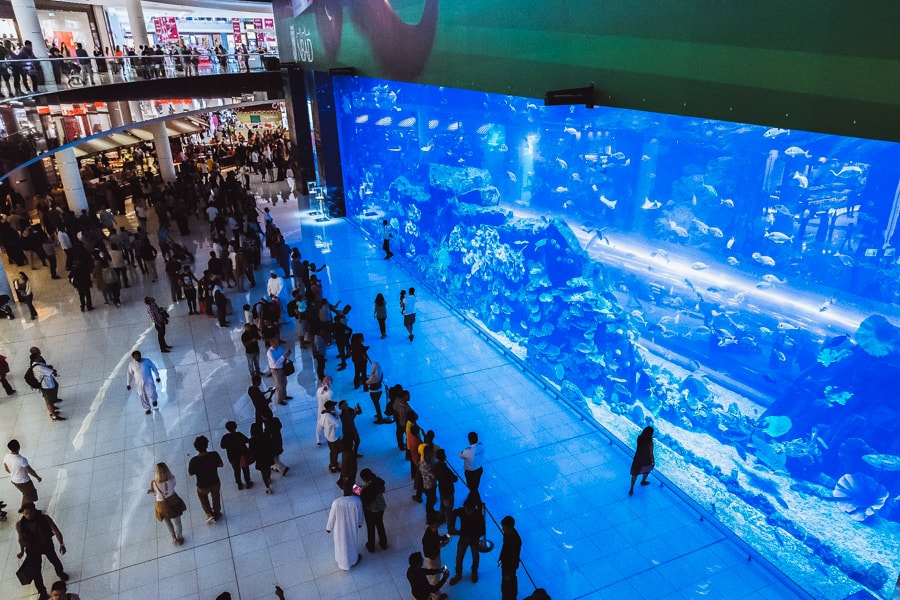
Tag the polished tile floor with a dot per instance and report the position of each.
(557, 474)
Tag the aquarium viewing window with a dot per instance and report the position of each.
(736, 286)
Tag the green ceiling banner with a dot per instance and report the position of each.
(822, 65)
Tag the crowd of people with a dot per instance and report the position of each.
(100, 252)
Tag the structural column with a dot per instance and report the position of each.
(138, 23)
(67, 165)
(164, 161)
(30, 28)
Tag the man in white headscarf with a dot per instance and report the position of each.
(276, 291)
(344, 521)
(141, 373)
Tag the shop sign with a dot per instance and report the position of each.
(166, 29)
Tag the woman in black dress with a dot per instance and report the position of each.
(643, 461)
(261, 449)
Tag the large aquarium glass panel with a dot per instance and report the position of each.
(734, 285)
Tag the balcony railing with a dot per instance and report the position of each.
(24, 78)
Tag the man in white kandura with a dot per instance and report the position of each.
(344, 520)
(140, 373)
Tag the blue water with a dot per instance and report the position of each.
(734, 285)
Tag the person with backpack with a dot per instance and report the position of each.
(36, 531)
(42, 376)
(25, 293)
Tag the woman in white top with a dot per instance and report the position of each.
(169, 506)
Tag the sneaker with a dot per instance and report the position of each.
(269, 491)
(210, 519)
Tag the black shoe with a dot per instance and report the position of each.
(383, 544)
(370, 547)
(148, 411)
(455, 579)
(240, 485)
(154, 403)
(249, 485)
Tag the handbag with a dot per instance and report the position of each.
(175, 504)
(25, 573)
(288, 367)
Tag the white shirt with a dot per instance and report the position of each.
(18, 468)
(409, 305)
(276, 357)
(473, 457)
(331, 426)
(44, 374)
(274, 286)
(64, 242)
(163, 490)
(141, 372)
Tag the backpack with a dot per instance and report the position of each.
(31, 379)
(109, 276)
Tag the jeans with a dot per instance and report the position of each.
(473, 479)
(280, 382)
(174, 526)
(334, 450)
(253, 364)
(237, 468)
(204, 495)
(464, 544)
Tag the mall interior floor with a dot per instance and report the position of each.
(565, 484)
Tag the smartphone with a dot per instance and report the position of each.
(357, 490)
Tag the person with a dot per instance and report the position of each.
(331, 430)
(47, 375)
(386, 236)
(187, 281)
(381, 314)
(417, 575)
(348, 427)
(4, 371)
(372, 497)
(59, 591)
(539, 594)
(470, 529)
(374, 383)
(84, 61)
(277, 356)
(205, 466)
(25, 293)
(169, 506)
(431, 549)
(509, 559)
(141, 372)
(409, 311)
(446, 479)
(260, 399)
(20, 472)
(263, 454)
(160, 319)
(473, 458)
(643, 461)
(323, 395)
(272, 426)
(36, 531)
(221, 302)
(344, 519)
(235, 445)
(250, 339)
(360, 357)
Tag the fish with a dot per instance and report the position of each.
(795, 151)
(733, 261)
(716, 232)
(730, 243)
(763, 260)
(774, 132)
(699, 266)
(826, 305)
(503, 148)
(710, 190)
(701, 226)
(727, 202)
(573, 131)
(660, 253)
(512, 176)
(362, 119)
(773, 279)
(651, 204)
(778, 237)
(764, 285)
(714, 289)
(561, 190)
(618, 156)
(846, 260)
(780, 355)
(562, 163)
(724, 342)
(851, 171)
(781, 209)
(611, 204)
(884, 462)
(694, 200)
(802, 180)
(645, 157)
(680, 231)
(576, 177)
(785, 326)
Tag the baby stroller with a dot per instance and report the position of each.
(5, 311)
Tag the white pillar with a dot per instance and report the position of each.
(164, 161)
(67, 165)
(138, 23)
(30, 28)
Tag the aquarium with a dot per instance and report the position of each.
(734, 285)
